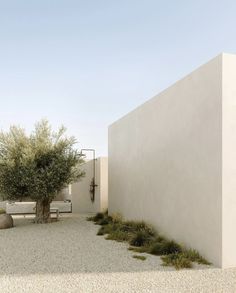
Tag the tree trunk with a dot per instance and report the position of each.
(43, 212)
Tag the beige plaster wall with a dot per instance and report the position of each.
(63, 194)
(80, 195)
(229, 160)
(165, 162)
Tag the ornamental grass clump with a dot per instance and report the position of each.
(118, 236)
(106, 229)
(2, 211)
(105, 221)
(96, 218)
(141, 238)
(140, 257)
(165, 247)
(134, 227)
(144, 239)
(177, 260)
(184, 259)
(109, 227)
(194, 256)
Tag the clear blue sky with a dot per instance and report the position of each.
(85, 64)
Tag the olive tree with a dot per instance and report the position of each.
(37, 166)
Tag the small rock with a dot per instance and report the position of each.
(6, 221)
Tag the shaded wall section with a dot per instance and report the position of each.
(80, 191)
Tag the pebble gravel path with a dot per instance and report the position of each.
(67, 257)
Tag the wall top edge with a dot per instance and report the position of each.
(219, 57)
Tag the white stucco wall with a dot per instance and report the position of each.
(165, 161)
(80, 195)
(229, 160)
(64, 194)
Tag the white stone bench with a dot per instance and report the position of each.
(15, 208)
(20, 208)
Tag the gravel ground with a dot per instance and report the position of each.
(67, 256)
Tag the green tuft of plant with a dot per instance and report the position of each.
(2, 211)
(141, 249)
(96, 218)
(140, 257)
(105, 221)
(144, 239)
(106, 229)
(194, 256)
(118, 236)
(156, 249)
(140, 238)
(177, 260)
(165, 247)
(134, 227)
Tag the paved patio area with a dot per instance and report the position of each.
(67, 256)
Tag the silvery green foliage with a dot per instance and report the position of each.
(37, 165)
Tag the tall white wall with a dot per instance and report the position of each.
(80, 191)
(64, 194)
(229, 160)
(165, 162)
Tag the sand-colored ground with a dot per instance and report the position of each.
(67, 256)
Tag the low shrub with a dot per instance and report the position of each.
(143, 238)
(132, 226)
(2, 211)
(170, 247)
(194, 256)
(165, 247)
(106, 229)
(105, 221)
(140, 257)
(100, 219)
(140, 238)
(118, 236)
(177, 260)
(96, 218)
(156, 249)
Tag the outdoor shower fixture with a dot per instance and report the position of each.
(93, 184)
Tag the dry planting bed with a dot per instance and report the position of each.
(68, 257)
